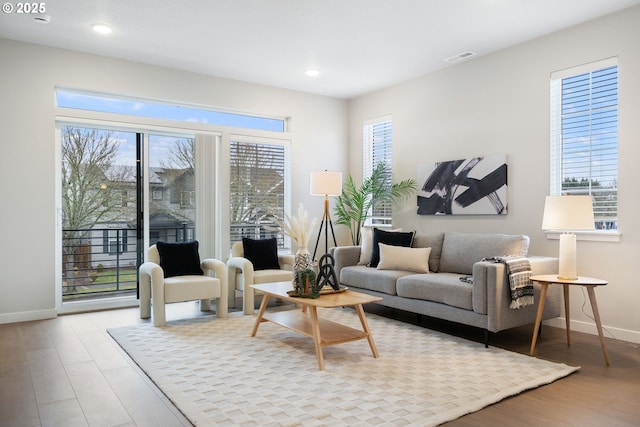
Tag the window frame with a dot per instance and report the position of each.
(556, 143)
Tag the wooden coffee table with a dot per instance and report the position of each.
(324, 332)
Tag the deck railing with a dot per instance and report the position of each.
(103, 262)
(99, 262)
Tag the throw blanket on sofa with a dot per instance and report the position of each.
(519, 272)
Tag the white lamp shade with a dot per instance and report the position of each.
(568, 213)
(325, 183)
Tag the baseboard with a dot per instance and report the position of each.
(98, 304)
(26, 316)
(590, 328)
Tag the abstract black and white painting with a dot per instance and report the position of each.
(473, 186)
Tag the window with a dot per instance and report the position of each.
(376, 148)
(259, 176)
(584, 137)
(187, 199)
(92, 101)
(114, 241)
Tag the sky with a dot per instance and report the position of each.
(112, 104)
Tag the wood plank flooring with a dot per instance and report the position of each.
(69, 372)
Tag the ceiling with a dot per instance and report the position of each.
(357, 46)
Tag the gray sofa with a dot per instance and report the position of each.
(445, 292)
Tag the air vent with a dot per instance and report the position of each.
(42, 18)
(460, 57)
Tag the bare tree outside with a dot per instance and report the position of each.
(92, 182)
(182, 155)
(93, 185)
(257, 185)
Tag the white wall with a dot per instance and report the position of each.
(499, 103)
(29, 74)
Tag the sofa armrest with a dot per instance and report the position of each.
(492, 296)
(490, 277)
(345, 256)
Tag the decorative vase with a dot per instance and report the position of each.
(302, 260)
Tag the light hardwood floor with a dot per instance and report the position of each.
(69, 372)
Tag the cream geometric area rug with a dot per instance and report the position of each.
(218, 375)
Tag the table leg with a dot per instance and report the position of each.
(567, 316)
(596, 315)
(536, 328)
(316, 336)
(263, 306)
(365, 327)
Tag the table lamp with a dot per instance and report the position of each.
(325, 183)
(567, 214)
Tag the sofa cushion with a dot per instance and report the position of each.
(461, 250)
(398, 238)
(433, 241)
(366, 244)
(445, 288)
(401, 258)
(360, 276)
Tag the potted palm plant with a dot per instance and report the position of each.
(354, 205)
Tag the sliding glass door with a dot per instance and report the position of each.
(103, 203)
(99, 204)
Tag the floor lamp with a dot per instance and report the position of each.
(568, 213)
(325, 183)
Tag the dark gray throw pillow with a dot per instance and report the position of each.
(179, 259)
(263, 253)
(394, 238)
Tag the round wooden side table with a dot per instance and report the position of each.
(588, 282)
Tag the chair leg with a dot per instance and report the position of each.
(145, 298)
(248, 300)
(231, 286)
(159, 317)
(221, 307)
(205, 305)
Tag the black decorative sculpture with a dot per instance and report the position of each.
(326, 273)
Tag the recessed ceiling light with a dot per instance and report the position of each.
(312, 73)
(101, 28)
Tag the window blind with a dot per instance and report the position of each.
(258, 173)
(584, 149)
(377, 147)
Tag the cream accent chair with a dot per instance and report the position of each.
(240, 272)
(165, 290)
